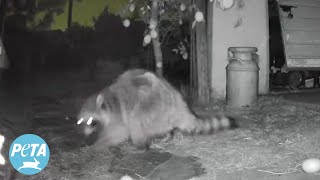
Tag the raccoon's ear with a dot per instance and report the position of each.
(152, 78)
(145, 80)
(100, 101)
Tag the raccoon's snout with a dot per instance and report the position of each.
(88, 131)
(91, 128)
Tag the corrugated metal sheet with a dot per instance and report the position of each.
(301, 33)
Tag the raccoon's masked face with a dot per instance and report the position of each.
(94, 116)
(88, 119)
(89, 125)
(90, 128)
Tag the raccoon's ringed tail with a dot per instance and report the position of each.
(213, 124)
(225, 122)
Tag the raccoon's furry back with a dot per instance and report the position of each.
(140, 105)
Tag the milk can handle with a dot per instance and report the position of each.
(237, 59)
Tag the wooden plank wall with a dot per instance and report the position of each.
(301, 34)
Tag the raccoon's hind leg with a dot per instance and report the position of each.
(138, 145)
(141, 146)
(170, 135)
(138, 137)
(139, 140)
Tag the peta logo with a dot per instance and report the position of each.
(29, 154)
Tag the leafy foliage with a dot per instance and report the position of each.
(116, 7)
(53, 14)
(122, 8)
(39, 13)
(172, 15)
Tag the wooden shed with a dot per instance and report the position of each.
(300, 24)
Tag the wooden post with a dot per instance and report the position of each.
(193, 63)
(203, 90)
(3, 8)
(70, 13)
(155, 41)
(209, 21)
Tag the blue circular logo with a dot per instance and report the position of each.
(29, 154)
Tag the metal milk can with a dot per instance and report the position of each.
(242, 77)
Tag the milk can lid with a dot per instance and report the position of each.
(243, 49)
(235, 64)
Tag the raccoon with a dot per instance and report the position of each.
(92, 125)
(138, 106)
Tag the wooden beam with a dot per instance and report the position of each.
(303, 50)
(303, 12)
(3, 7)
(203, 93)
(310, 3)
(209, 23)
(302, 37)
(70, 13)
(156, 41)
(301, 24)
(193, 60)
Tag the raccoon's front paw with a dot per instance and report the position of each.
(97, 148)
(174, 134)
(168, 137)
(135, 150)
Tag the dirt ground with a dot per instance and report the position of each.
(274, 137)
